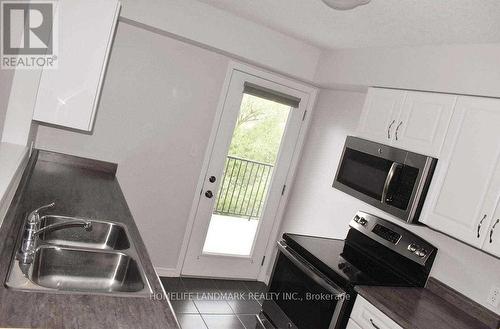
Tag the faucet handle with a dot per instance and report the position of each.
(34, 216)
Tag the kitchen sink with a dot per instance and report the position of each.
(77, 255)
(102, 235)
(85, 270)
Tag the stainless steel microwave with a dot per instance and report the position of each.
(391, 179)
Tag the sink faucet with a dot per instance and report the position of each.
(33, 231)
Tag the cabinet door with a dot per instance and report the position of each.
(69, 94)
(492, 242)
(352, 325)
(367, 316)
(380, 112)
(459, 203)
(423, 122)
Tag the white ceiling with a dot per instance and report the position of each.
(381, 23)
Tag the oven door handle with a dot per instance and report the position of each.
(305, 267)
(388, 180)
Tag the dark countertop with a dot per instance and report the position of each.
(421, 308)
(80, 188)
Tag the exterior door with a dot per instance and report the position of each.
(245, 178)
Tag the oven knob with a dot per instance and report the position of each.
(412, 247)
(421, 253)
(356, 218)
(362, 221)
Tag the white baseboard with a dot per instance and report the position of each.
(168, 272)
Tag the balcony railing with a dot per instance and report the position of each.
(243, 188)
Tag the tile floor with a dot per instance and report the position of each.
(215, 304)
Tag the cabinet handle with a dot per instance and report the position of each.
(374, 325)
(493, 229)
(389, 129)
(479, 227)
(397, 129)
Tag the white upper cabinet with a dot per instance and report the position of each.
(380, 113)
(491, 242)
(465, 187)
(410, 120)
(69, 94)
(423, 122)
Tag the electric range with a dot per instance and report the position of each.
(313, 279)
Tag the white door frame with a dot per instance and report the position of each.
(270, 248)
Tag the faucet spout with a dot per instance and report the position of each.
(76, 222)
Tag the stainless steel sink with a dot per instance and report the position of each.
(100, 259)
(85, 270)
(102, 235)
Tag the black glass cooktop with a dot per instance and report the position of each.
(349, 262)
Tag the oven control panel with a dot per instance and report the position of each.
(360, 220)
(393, 236)
(386, 233)
(417, 250)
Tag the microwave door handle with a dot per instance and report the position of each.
(330, 286)
(389, 179)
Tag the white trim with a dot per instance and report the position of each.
(168, 272)
(312, 92)
(264, 274)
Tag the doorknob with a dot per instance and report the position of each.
(212, 179)
(209, 194)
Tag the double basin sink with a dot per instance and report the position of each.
(100, 259)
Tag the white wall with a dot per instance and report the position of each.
(154, 120)
(18, 126)
(219, 29)
(316, 208)
(6, 77)
(461, 69)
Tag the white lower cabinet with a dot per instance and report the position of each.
(366, 316)
(352, 325)
(466, 186)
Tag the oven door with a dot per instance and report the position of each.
(388, 178)
(301, 297)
